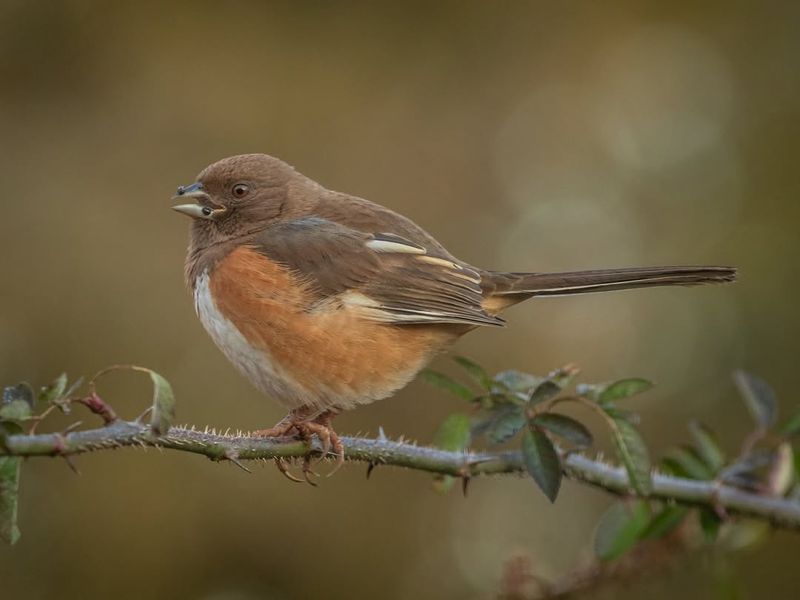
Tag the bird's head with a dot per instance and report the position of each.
(235, 197)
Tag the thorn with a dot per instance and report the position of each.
(477, 460)
(70, 464)
(141, 418)
(370, 467)
(232, 456)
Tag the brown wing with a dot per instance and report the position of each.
(385, 276)
(365, 216)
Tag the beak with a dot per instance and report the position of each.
(194, 209)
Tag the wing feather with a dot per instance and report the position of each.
(388, 278)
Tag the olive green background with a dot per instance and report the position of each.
(524, 135)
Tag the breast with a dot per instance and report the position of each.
(253, 362)
(259, 315)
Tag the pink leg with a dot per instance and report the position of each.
(297, 423)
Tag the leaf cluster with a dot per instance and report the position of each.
(513, 405)
(21, 408)
(521, 408)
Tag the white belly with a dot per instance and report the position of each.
(254, 363)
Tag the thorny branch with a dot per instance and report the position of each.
(781, 512)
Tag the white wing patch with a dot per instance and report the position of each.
(388, 242)
(388, 246)
(456, 298)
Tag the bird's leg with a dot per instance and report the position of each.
(333, 443)
(298, 423)
(284, 428)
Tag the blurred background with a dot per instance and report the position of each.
(525, 136)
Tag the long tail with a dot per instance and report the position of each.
(582, 282)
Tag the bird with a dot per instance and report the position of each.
(327, 301)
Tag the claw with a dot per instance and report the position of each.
(323, 433)
(307, 472)
(297, 423)
(281, 464)
(338, 450)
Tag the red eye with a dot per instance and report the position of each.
(240, 190)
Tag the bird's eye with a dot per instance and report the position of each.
(206, 211)
(240, 190)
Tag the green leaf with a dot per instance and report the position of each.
(15, 410)
(565, 427)
(443, 483)
(792, 426)
(55, 391)
(477, 372)
(60, 392)
(707, 446)
(9, 487)
(624, 388)
(17, 402)
(21, 391)
(9, 498)
(619, 529)
(633, 454)
(163, 404)
(546, 390)
(505, 424)
(745, 533)
(542, 461)
(8, 428)
(448, 384)
(780, 476)
(454, 433)
(163, 408)
(664, 522)
(670, 467)
(709, 524)
(516, 381)
(620, 413)
(758, 396)
(689, 464)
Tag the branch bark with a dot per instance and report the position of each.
(781, 512)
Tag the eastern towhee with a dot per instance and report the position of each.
(325, 301)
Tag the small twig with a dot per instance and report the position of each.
(99, 407)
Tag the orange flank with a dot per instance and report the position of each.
(340, 358)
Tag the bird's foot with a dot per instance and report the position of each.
(297, 424)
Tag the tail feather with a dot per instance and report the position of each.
(582, 282)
